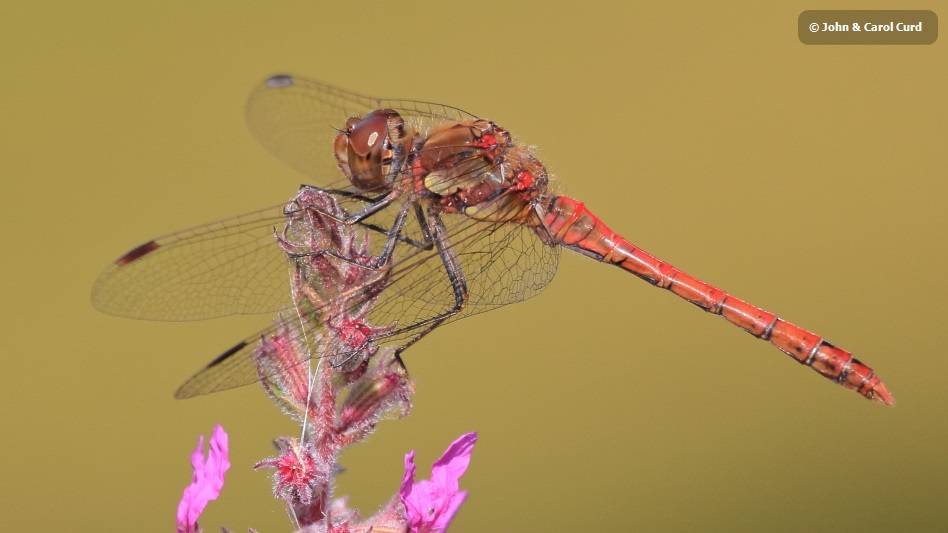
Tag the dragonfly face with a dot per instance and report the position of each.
(366, 147)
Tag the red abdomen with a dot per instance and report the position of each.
(573, 226)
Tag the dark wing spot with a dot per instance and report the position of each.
(224, 356)
(137, 253)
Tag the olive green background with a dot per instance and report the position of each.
(809, 180)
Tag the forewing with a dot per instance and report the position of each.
(232, 266)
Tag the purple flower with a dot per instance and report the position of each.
(207, 482)
(431, 504)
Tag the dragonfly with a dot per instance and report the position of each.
(463, 220)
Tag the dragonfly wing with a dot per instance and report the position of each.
(233, 368)
(232, 266)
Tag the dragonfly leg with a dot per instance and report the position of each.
(374, 206)
(393, 237)
(434, 230)
(433, 227)
(382, 260)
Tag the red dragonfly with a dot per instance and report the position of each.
(465, 221)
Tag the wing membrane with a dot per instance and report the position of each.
(232, 266)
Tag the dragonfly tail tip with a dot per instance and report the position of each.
(882, 395)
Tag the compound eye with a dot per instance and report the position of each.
(369, 149)
(368, 136)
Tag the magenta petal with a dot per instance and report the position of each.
(450, 510)
(431, 504)
(409, 479)
(453, 463)
(207, 481)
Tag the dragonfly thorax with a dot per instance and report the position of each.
(474, 168)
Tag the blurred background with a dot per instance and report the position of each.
(808, 180)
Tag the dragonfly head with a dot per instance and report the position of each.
(365, 148)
